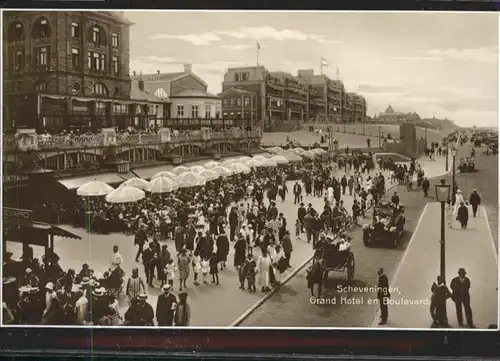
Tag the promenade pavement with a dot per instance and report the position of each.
(472, 249)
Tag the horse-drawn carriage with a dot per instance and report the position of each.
(387, 227)
(330, 256)
(467, 165)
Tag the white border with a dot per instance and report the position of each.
(294, 271)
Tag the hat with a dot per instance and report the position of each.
(166, 287)
(99, 292)
(28, 270)
(33, 290)
(183, 295)
(142, 297)
(302, 204)
(49, 286)
(183, 250)
(322, 234)
(462, 271)
(85, 281)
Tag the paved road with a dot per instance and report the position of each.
(472, 249)
(292, 306)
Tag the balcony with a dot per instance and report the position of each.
(28, 140)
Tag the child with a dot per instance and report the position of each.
(362, 207)
(170, 272)
(242, 269)
(250, 273)
(205, 268)
(214, 268)
(297, 228)
(196, 267)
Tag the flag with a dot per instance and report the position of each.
(258, 46)
(324, 62)
(338, 72)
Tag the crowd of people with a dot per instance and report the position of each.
(241, 212)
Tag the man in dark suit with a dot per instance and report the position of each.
(460, 295)
(383, 295)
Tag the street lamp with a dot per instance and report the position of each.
(454, 187)
(442, 196)
(447, 155)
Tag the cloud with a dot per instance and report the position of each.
(195, 39)
(158, 60)
(237, 47)
(267, 32)
(480, 55)
(382, 88)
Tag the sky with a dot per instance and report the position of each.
(436, 64)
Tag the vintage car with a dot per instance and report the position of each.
(387, 226)
(467, 165)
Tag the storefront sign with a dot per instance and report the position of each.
(17, 213)
(14, 178)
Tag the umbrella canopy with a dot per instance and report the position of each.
(280, 159)
(275, 150)
(260, 158)
(298, 151)
(212, 164)
(137, 183)
(209, 174)
(238, 168)
(308, 154)
(163, 185)
(180, 169)
(269, 163)
(292, 157)
(223, 171)
(190, 179)
(253, 163)
(229, 161)
(165, 174)
(197, 168)
(244, 159)
(267, 155)
(125, 195)
(94, 189)
(319, 151)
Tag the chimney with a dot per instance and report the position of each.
(158, 71)
(134, 72)
(187, 68)
(141, 84)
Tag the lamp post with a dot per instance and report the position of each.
(447, 155)
(442, 196)
(453, 187)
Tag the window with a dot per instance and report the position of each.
(41, 87)
(236, 77)
(115, 40)
(75, 30)
(244, 76)
(42, 57)
(75, 58)
(238, 102)
(100, 89)
(96, 35)
(194, 111)
(41, 28)
(217, 112)
(19, 60)
(247, 101)
(96, 61)
(233, 101)
(100, 107)
(17, 31)
(152, 110)
(120, 109)
(225, 102)
(180, 111)
(115, 65)
(208, 111)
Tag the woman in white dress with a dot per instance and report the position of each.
(278, 255)
(263, 264)
(459, 198)
(449, 214)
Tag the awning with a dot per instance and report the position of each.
(108, 178)
(147, 173)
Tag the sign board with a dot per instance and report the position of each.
(17, 213)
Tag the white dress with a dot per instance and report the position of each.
(197, 264)
(263, 264)
(458, 199)
(276, 259)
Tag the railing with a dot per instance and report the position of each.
(98, 140)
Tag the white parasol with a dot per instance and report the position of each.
(253, 163)
(308, 154)
(94, 189)
(280, 159)
(319, 151)
(125, 195)
(238, 168)
(223, 171)
(180, 169)
(229, 161)
(260, 158)
(292, 157)
(165, 174)
(138, 183)
(269, 163)
(197, 168)
(190, 179)
(298, 151)
(209, 174)
(163, 185)
(244, 159)
(212, 164)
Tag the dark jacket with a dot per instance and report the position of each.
(459, 289)
(475, 199)
(164, 312)
(463, 214)
(383, 287)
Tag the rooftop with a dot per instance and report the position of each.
(194, 94)
(138, 94)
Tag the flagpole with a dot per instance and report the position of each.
(321, 67)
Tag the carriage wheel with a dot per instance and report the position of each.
(350, 267)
